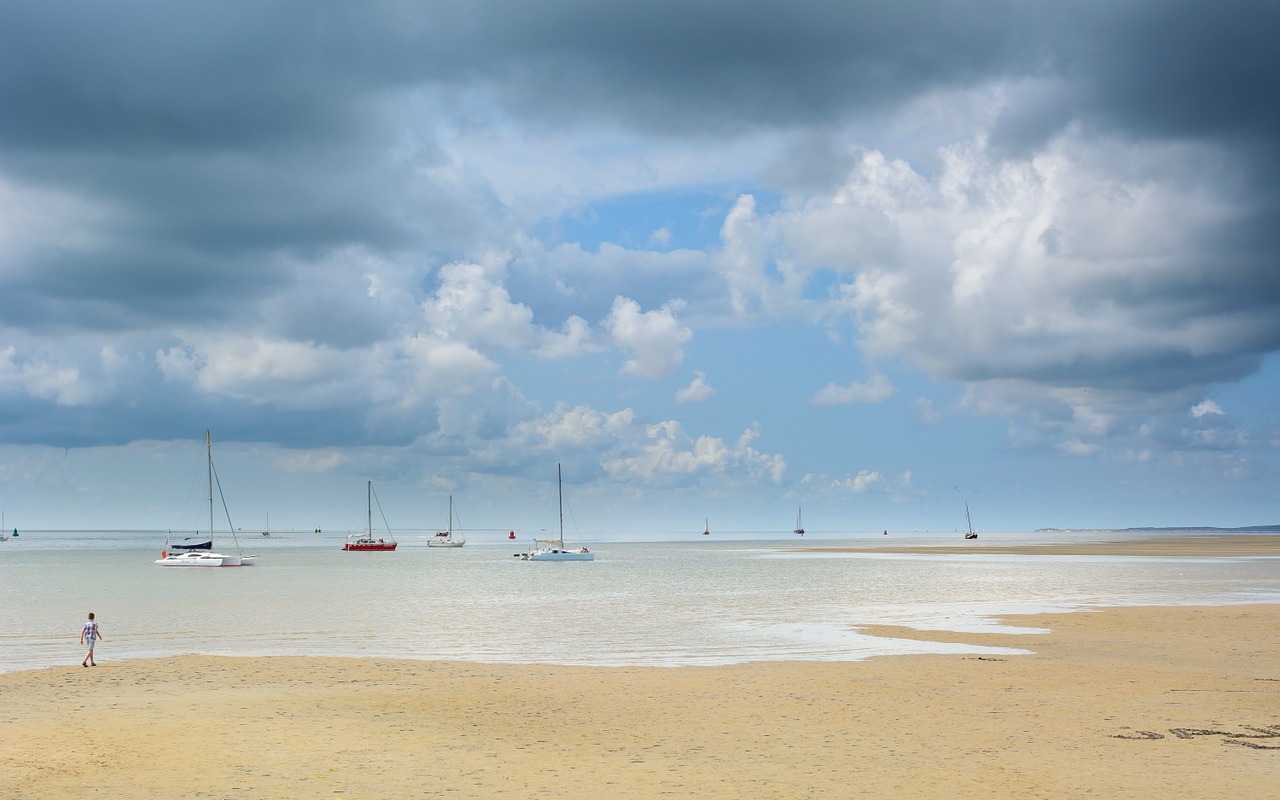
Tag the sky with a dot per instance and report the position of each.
(719, 260)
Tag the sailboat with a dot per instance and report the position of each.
(553, 549)
(201, 554)
(364, 542)
(706, 527)
(447, 538)
(799, 531)
(267, 530)
(968, 522)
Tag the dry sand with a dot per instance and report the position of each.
(1119, 703)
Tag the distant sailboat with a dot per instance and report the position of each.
(364, 543)
(448, 538)
(969, 523)
(799, 531)
(553, 549)
(706, 527)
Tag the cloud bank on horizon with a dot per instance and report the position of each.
(698, 249)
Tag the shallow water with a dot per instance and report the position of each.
(665, 603)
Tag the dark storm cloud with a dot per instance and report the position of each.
(1175, 68)
(142, 76)
(680, 67)
(153, 77)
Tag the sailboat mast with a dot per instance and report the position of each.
(368, 504)
(208, 446)
(560, 487)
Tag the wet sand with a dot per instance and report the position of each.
(1124, 702)
(1156, 546)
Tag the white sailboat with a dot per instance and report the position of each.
(553, 549)
(706, 527)
(799, 531)
(205, 557)
(364, 542)
(448, 538)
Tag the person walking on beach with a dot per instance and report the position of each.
(89, 634)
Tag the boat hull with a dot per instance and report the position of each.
(369, 547)
(202, 558)
(444, 543)
(559, 555)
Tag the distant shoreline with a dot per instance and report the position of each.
(1230, 545)
(1154, 529)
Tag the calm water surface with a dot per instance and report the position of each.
(678, 602)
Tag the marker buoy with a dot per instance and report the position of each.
(511, 535)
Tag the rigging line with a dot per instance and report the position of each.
(218, 482)
(577, 534)
(380, 512)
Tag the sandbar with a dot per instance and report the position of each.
(1225, 545)
(1144, 702)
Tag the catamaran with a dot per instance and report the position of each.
(448, 538)
(201, 554)
(364, 542)
(553, 549)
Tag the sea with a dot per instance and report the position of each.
(665, 600)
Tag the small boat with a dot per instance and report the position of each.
(197, 551)
(706, 527)
(554, 549)
(968, 522)
(447, 538)
(267, 530)
(364, 542)
(799, 531)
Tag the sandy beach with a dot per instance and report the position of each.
(1123, 702)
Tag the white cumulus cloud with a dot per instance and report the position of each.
(656, 338)
(698, 390)
(876, 390)
(1205, 407)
